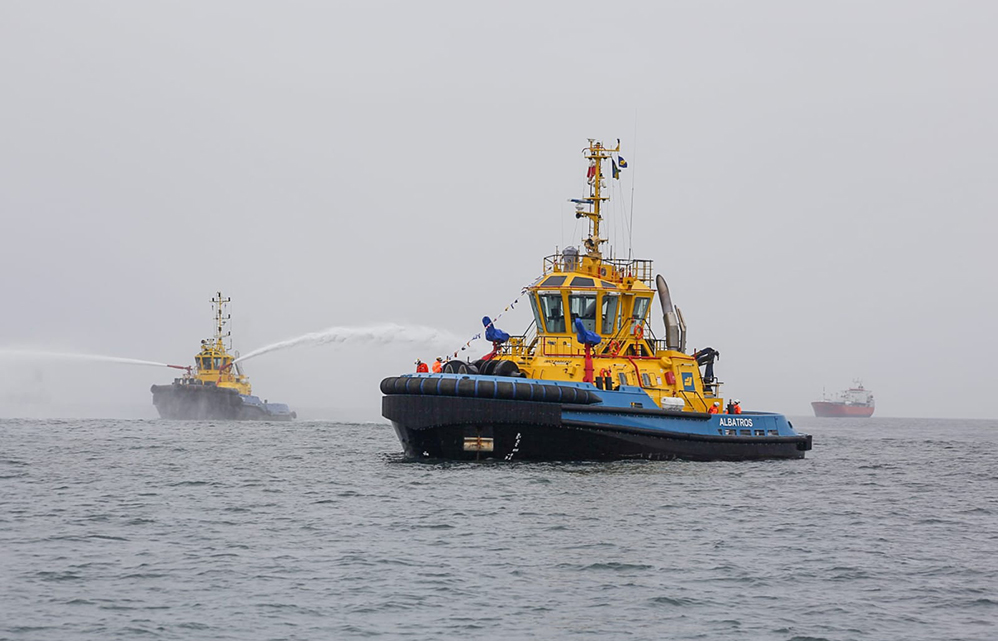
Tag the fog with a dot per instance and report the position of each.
(816, 181)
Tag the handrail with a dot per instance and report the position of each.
(638, 268)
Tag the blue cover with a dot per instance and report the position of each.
(584, 335)
(493, 334)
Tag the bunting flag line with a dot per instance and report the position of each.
(478, 336)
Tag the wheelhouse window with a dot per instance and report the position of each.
(537, 314)
(554, 313)
(583, 307)
(609, 312)
(582, 281)
(641, 308)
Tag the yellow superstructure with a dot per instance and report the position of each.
(214, 364)
(613, 298)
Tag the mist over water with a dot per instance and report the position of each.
(373, 334)
(40, 355)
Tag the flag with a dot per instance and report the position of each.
(592, 171)
(621, 162)
(616, 172)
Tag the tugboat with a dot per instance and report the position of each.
(855, 402)
(210, 389)
(588, 380)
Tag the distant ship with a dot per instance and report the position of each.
(210, 390)
(854, 402)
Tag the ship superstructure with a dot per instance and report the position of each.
(612, 299)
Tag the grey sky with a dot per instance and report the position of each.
(815, 180)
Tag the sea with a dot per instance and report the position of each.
(149, 529)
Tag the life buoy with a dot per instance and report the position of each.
(639, 332)
(614, 348)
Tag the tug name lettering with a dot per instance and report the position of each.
(730, 421)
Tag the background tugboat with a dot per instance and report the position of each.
(588, 380)
(855, 402)
(210, 389)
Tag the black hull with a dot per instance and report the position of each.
(206, 402)
(453, 428)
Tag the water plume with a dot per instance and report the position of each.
(374, 334)
(28, 354)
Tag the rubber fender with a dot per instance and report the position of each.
(505, 368)
(568, 394)
(472, 388)
(448, 386)
(455, 367)
(504, 390)
(466, 387)
(486, 389)
(486, 368)
(388, 385)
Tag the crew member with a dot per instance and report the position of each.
(438, 365)
(421, 367)
(735, 407)
(715, 408)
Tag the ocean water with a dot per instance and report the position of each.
(314, 530)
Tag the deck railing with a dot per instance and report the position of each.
(638, 268)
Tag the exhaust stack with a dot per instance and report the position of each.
(673, 333)
(682, 330)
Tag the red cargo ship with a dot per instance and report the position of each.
(854, 402)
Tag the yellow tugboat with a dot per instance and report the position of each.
(215, 387)
(589, 380)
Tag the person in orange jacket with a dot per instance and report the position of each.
(735, 407)
(715, 408)
(438, 365)
(421, 367)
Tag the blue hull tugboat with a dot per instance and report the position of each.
(588, 380)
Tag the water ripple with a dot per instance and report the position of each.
(131, 529)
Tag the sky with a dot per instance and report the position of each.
(815, 180)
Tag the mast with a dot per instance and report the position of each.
(220, 319)
(596, 153)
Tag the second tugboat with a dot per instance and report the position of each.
(210, 389)
(589, 380)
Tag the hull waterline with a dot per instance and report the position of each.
(446, 427)
(197, 402)
(825, 409)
